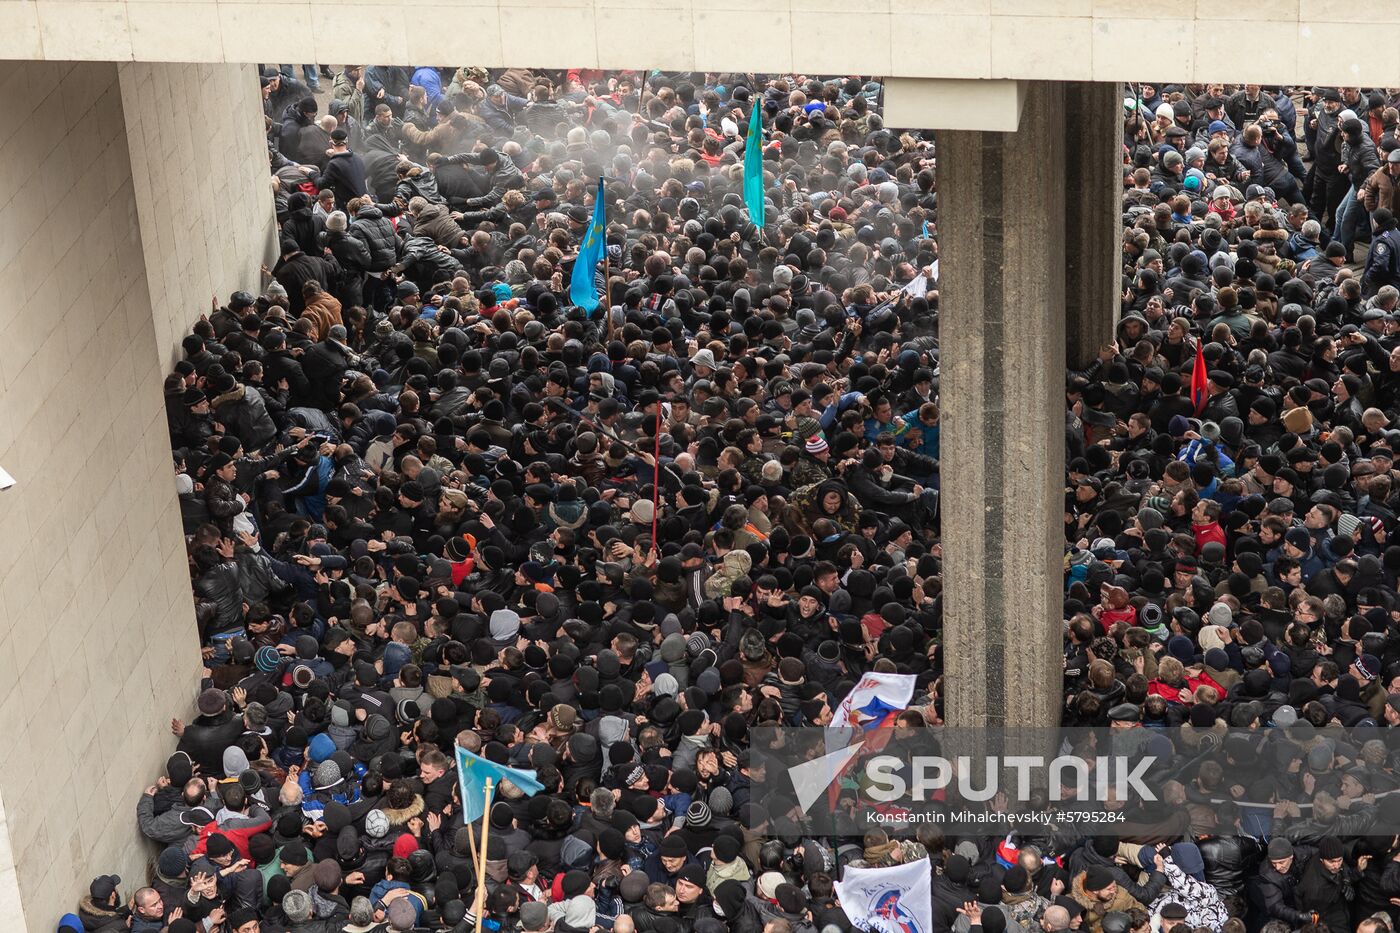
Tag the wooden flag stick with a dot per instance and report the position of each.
(607, 300)
(607, 265)
(479, 902)
(471, 837)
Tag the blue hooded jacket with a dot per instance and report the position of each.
(429, 80)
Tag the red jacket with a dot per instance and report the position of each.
(1108, 617)
(1173, 694)
(1207, 533)
(462, 569)
(239, 836)
(874, 625)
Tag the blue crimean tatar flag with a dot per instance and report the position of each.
(472, 772)
(753, 167)
(582, 290)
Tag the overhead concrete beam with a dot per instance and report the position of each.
(1308, 42)
(951, 104)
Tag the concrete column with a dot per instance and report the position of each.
(1093, 217)
(1001, 204)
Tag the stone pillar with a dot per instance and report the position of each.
(1093, 217)
(1001, 207)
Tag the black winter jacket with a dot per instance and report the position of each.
(350, 251)
(501, 179)
(220, 587)
(300, 224)
(205, 739)
(427, 265)
(1329, 895)
(245, 416)
(875, 495)
(222, 501)
(289, 133)
(948, 897)
(352, 255)
(280, 365)
(373, 229)
(298, 269)
(1361, 159)
(1274, 896)
(1230, 861)
(325, 363)
(345, 175)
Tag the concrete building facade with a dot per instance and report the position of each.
(133, 189)
(131, 194)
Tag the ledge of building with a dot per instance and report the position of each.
(1308, 41)
(950, 104)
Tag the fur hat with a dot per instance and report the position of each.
(1298, 420)
(297, 906)
(211, 702)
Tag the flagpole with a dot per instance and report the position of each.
(462, 765)
(471, 838)
(656, 480)
(607, 292)
(607, 299)
(479, 901)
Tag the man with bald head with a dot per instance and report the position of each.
(1055, 919)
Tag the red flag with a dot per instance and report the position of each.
(1198, 381)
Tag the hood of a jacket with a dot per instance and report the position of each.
(505, 624)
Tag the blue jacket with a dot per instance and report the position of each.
(310, 489)
(1192, 452)
(500, 119)
(1301, 250)
(874, 429)
(1310, 564)
(384, 887)
(314, 803)
(303, 580)
(929, 444)
(396, 655)
(1382, 263)
(429, 80)
(831, 412)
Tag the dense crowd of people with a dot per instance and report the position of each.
(433, 501)
(1231, 498)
